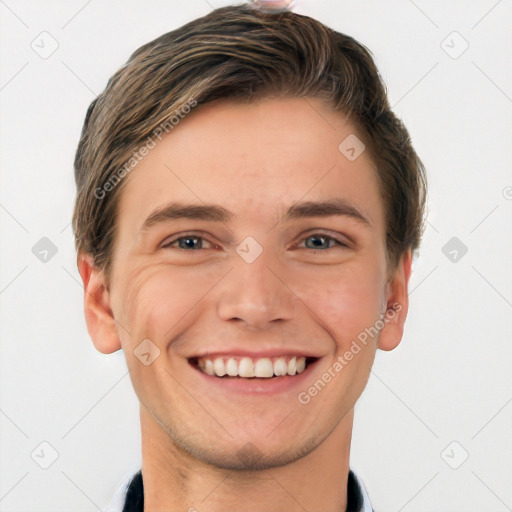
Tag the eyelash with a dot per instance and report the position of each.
(339, 243)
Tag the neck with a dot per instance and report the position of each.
(175, 480)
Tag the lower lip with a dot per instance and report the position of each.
(259, 385)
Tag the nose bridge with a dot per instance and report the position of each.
(253, 292)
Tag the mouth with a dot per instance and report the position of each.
(254, 368)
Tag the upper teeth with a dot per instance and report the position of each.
(248, 367)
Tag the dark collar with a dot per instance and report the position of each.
(135, 494)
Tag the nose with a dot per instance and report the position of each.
(256, 293)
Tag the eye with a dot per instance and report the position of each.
(186, 242)
(323, 241)
(193, 242)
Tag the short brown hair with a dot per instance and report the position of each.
(240, 53)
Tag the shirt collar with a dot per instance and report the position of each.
(129, 497)
(366, 505)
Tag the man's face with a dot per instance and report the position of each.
(256, 286)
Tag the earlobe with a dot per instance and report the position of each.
(99, 318)
(397, 304)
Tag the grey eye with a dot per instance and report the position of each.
(319, 241)
(189, 242)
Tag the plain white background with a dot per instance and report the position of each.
(433, 428)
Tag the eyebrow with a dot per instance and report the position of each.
(217, 213)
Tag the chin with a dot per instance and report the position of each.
(243, 455)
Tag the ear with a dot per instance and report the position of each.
(99, 318)
(397, 304)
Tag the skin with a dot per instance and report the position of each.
(215, 450)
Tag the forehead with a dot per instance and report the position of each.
(256, 159)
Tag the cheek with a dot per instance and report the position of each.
(157, 303)
(346, 300)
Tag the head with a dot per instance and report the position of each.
(264, 116)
